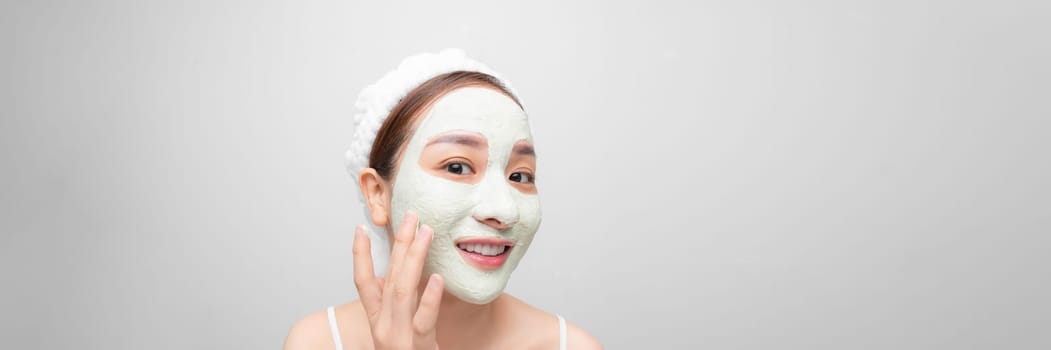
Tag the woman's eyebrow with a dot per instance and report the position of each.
(462, 139)
(524, 149)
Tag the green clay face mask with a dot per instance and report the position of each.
(483, 223)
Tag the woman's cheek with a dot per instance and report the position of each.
(442, 203)
(529, 210)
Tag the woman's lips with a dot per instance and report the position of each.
(485, 253)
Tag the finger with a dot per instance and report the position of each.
(427, 315)
(402, 240)
(412, 265)
(403, 237)
(409, 275)
(364, 278)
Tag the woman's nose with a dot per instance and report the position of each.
(494, 223)
(496, 206)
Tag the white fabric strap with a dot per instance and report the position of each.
(333, 328)
(561, 332)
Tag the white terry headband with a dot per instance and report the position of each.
(374, 105)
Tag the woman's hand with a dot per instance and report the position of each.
(399, 318)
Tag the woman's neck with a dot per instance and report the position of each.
(465, 325)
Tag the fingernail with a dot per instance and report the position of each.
(425, 232)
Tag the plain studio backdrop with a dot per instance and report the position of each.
(718, 175)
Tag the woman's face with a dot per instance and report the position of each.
(468, 173)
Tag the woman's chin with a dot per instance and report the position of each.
(474, 292)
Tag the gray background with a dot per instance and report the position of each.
(724, 175)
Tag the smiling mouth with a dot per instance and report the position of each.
(484, 249)
(485, 254)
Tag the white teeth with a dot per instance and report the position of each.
(483, 249)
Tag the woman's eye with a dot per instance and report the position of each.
(521, 177)
(459, 169)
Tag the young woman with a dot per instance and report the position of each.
(444, 158)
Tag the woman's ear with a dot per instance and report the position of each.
(377, 196)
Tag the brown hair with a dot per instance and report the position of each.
(398, 126)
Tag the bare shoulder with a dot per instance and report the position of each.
(313, 331)
(534, 320)
(579, 339)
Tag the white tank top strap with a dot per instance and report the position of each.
(561, 332)
(333, 328)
